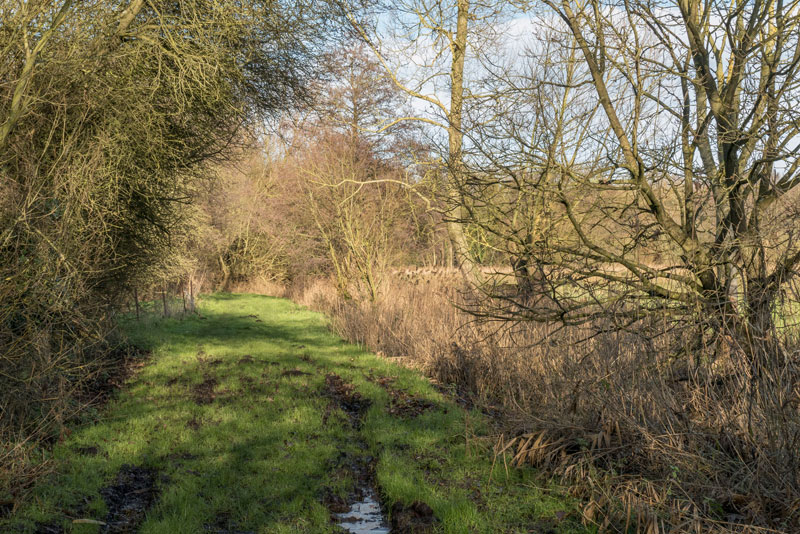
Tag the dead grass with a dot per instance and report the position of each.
(26, 440)
(653, 435)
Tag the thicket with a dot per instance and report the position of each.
(326, 194)
(112, 117)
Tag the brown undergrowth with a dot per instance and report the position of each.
(655, 435)
(62, 397)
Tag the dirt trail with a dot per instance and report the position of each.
(362, 512)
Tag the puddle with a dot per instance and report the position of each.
(417, 518)
(360, 512)
(364, 516)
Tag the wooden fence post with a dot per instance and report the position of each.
(183, 295)
(191, 293)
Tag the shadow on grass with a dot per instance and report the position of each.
(223, 325)
(233, 417)
(238, 460)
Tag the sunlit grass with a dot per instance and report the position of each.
(259, 457)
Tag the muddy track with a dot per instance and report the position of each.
(347, 398)
(130, 496)
(401, 403)
(362, 512)
(203, 393)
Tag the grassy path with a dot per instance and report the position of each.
(254, 418)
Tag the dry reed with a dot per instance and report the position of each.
(653, 434)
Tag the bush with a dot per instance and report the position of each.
(109, 121)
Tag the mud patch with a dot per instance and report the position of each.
(245, 359)
(260, 389)
(405, 405)
(88, 451)
(128, 498)
(181, 378)
(547, 526)
(178, 457)
(42, 528)
(211, 362)
(349, 400)
(335, 503)
(194, 423)
(223, 524)
(204, 391)
(295, 372)
(402, 403)
(417, 518)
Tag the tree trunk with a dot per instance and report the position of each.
(226, 274)
(522, 275)
(455, 136)
(183, 295)
(760, 337)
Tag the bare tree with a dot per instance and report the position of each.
(663, 142)
(358, 206)
(353, 175)
(641, 170)
(425, 56)
(355, 96)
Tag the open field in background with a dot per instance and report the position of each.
(649, 432)
(444, 280)
(250, 416)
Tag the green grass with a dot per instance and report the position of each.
(262, 455)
